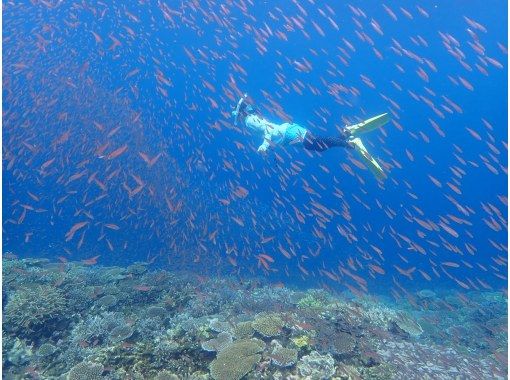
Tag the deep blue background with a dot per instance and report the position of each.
(63, 63)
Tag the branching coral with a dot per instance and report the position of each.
(31, 308)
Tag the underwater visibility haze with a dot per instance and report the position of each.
(255, 189)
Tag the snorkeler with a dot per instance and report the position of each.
(287, 133)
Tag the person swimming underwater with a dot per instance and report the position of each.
(287, 133)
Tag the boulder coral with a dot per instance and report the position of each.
(316, 366)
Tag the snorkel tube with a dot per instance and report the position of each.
(235, 112)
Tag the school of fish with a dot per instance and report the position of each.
(117, 140)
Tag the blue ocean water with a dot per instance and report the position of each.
(169, 86)
(119, 145)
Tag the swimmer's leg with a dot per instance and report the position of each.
(321, 143)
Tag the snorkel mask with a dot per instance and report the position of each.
(235, 112)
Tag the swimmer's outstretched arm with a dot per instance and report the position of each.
(265, 144)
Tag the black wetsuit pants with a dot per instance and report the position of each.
(321, 143)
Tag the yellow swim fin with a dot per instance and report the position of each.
(367, 159)
(368, 125)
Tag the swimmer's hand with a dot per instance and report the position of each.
(262, 149)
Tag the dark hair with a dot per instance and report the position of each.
(243, 111)
(243, 106)
(246, 109)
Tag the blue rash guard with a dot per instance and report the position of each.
(275, 134)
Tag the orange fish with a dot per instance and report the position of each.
(241, 192)
(405, 272)
(91, 261)
(117, 152)
(284, 252)
(376, 268)
(150, 162)
(267, 239)
(69, 235)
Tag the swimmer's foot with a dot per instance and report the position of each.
(367, 159)
(368, 125)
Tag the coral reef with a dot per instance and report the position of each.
(335, 342)
(379, 372)
(31, 308)
(283, 357)
(219, 326)
(408, 325)
(166, 375)
(132, 324)
(301, 341)
(268, 325)
(95, 327)
(156, 312)
(18, 353)
(243, 330)
(86, 371)
(315, 300)
(107, 301)
(316, 366)
(222, 341)
(120, 333)
(237, 359)
(150, 328)
(46, 349)
(426, 294)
